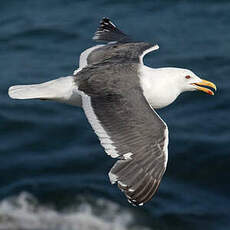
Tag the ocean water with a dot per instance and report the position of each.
(53, 171)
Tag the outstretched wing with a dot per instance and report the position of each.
(127, 128)
(124, 50)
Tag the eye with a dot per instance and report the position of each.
(187, 77)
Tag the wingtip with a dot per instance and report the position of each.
(156, 47)
(106, 25)
(108, 31)
(106, 21)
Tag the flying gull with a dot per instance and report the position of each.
(119, 95)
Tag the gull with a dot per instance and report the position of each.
(119, 95)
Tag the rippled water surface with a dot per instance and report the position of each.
(53, 172)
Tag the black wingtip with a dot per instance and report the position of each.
(107, 31)
(107, 24)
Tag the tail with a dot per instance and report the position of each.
(63, 90)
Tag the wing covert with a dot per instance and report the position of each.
(120, 53)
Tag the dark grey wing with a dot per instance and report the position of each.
(120, 53)
(124, 50)
(115, 53)
(108, 32)
(127, 128)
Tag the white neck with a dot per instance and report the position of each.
(158, 86)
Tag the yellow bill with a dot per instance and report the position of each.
(199, 86)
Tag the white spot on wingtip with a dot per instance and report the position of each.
(130, 201)
(114, 155)
(128, 155)
(141, 204)
(113, 178)
(122, 184)
(131, 190)
(112, 24)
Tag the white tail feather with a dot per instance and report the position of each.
(62, 90)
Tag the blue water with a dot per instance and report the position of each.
(53, 172)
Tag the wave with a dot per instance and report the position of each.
(24, 212)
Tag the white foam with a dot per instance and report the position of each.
(24, 212)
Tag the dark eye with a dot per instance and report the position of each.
(187, 77)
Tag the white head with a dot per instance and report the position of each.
(186, 80)
(163, 85)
